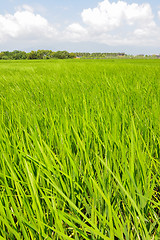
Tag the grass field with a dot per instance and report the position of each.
(80, 149)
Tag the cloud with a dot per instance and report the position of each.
(108, 16)
(75, 32)
(25, 24)
(114, 23)
(24, 7)
(118, 23)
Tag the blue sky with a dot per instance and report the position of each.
(87, 25)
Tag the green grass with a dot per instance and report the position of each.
(80, 149)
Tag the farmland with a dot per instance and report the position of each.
(79, 149)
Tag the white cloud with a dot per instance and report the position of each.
(24, 7)
(75, 32)
(76, 27)
(118, 23)
(108, 16)
(24, 23)
(113, 23)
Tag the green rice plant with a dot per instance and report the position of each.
(80, 149)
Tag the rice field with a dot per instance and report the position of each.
(80, 149)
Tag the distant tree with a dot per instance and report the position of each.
(18, 55)
(47, 54)
(6, 53)
(2, 55)
(61, 54)
(40, 54)
(32, 55)
(72, 55)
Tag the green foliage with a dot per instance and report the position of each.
(72, 55)
(79, 149)
(48, 54)
(61, 55)
(100, 55)
(15, 55)
(33, 55)
(40, 54)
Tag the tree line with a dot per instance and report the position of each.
(40, 54)
(99, 55)
(48, 54)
